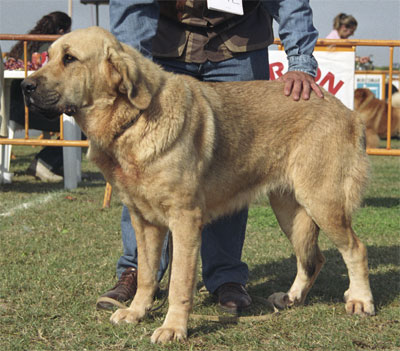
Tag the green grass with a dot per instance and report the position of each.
(59, 255)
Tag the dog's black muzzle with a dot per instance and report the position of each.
(28, 88)
(43, 102)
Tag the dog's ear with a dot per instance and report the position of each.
(132, 84)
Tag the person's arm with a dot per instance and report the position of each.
(134, 22)
(298, 36)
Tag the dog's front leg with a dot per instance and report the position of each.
(186, 235)
(149, 243)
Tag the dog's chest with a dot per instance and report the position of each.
(135, 189)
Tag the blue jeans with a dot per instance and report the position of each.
(222, 240)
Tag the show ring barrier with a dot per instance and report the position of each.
(391, 44)
(68, 127)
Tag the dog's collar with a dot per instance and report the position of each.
(128, 125)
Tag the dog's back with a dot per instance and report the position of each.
(276, 143)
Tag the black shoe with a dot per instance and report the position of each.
(123, 291)
(233, 297)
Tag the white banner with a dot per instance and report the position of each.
(335, 72)
(374, 82)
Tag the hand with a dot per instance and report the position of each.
(299, 84)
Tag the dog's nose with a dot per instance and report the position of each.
(28, 86)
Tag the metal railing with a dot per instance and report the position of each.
(348, 43)
(26, 140)
(45, 142)
(353, 43)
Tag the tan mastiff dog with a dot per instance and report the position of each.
(182, 153)
(374, 112)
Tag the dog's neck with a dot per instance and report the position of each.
(100, 126)
(127, 125)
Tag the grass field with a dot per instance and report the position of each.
(58, 251)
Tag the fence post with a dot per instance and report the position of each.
(72, 155)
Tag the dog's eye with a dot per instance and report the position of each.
(67, 59)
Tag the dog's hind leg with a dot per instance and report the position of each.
(303, 234)
(149, 243)
(337, 225)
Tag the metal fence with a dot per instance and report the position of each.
(27, 140)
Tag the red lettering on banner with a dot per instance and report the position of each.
(330, 79)
(275, 68)
(318, 75)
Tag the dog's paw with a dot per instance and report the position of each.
(360, 307)
(280, 300)
(126, 315)
(163, 335)
(357, 305)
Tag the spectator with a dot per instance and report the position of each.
(344, 26)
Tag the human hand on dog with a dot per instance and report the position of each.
(299, 84)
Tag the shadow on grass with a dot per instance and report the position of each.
(30, 186)
(387, 202)
(23, 183)
(333, 281)
(329, 287)
(205, 329)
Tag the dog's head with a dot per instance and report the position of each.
(87, 68)
(361, 95)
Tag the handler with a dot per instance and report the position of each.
(213, 45)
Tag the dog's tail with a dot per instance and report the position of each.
(357, 174)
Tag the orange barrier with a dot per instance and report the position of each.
(353, 43)
(45, 142)
(321, 42)
(26, 140)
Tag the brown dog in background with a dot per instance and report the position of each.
(182, 153)
(374, 113)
